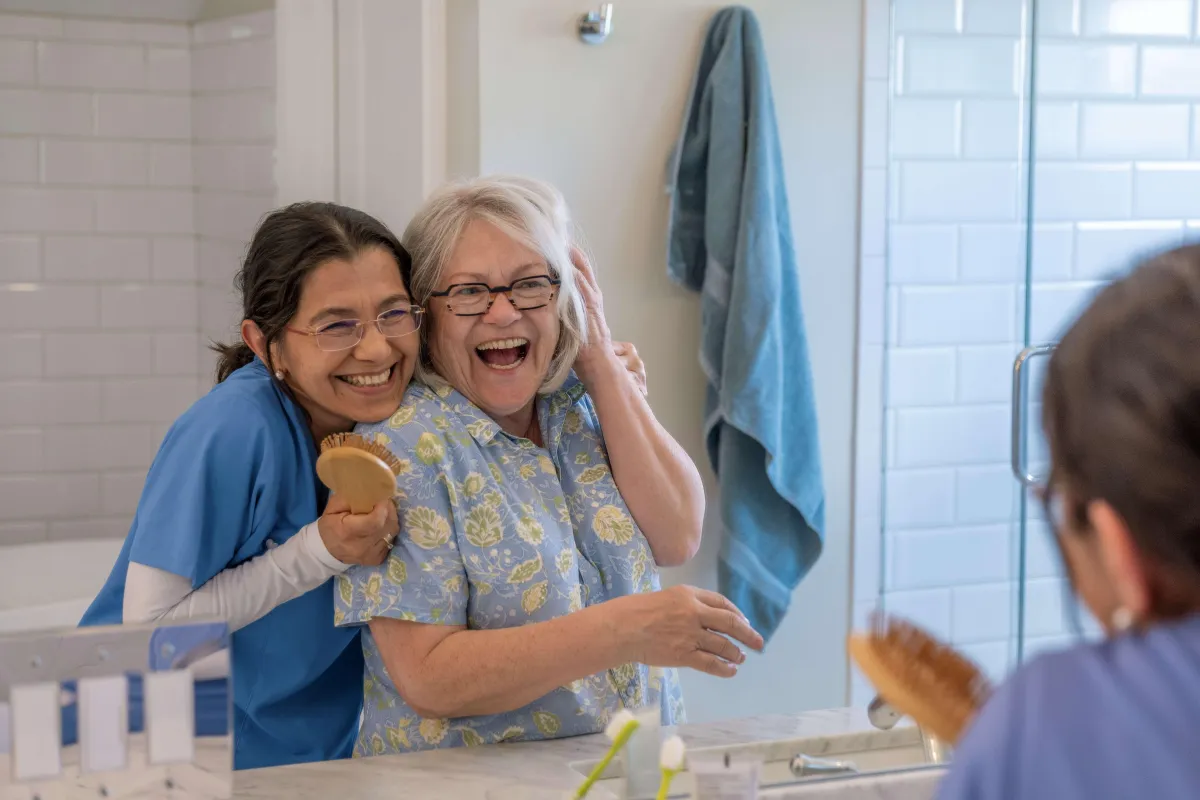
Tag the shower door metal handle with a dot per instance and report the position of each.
(1019, 390)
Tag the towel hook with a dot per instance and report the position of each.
(595, 26)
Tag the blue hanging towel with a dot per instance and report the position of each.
(730, 239)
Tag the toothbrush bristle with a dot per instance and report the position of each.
(672, 753)
(619, 723)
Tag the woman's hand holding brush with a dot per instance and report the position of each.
(358, 538)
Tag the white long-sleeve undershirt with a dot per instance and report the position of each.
(240, 595)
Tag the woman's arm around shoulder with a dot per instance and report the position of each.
(201, 494)
(198, 508)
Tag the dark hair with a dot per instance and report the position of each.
(289, 244)
(1121, 410)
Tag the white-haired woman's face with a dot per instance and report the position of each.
(500, 358)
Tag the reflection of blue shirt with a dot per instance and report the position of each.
(173, 646)
(1118, 719)
(497, 532)
(182, 644)
(234, 472)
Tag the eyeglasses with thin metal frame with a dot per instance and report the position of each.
(346, 333)
(476, 299)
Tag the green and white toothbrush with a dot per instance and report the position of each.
(619, 729)
(670, 761)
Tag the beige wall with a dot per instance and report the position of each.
(599, 122)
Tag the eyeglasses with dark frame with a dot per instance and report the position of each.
(346, 333)
(476, 299)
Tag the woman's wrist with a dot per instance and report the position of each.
(617, 628)
(595, 369)
(314, 542)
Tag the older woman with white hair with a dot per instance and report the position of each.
(522, 599)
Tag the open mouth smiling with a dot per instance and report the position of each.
(503, 354)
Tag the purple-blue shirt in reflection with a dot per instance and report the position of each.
(1114, 719)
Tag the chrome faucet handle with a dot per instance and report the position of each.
(882, 714)
(936, 751)
(806, 766)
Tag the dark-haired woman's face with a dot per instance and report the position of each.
(362, 383)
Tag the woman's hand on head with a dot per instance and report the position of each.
(358, 538)
(600, 348)
(686, 627)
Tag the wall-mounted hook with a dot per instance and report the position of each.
(595, 26)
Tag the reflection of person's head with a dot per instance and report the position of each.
(1121, 411)
(326, 306)
(499, 349)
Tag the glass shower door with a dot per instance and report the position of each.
(1115, 175)
(1035, 149)
(957, 276)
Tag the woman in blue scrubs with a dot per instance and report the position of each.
(1121, 412)
(230, 522)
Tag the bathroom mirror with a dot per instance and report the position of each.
(951, 205)
(117, 713)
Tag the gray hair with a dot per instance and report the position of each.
(530, 211)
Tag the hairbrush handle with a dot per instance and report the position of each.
(358, 476)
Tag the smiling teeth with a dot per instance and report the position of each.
(503, 344)
(378, 379)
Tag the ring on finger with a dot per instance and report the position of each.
(389, 540)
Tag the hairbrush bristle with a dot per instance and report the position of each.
(359, 443)
(930, 681)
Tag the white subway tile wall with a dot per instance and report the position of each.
(1116, 149)
(233, 138)
(112, 182)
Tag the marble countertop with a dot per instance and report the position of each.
(535, 769)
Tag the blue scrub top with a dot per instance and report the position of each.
(1116, 719)
(236, 471)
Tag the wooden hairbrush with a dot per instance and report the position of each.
(362, 472)
(931, 682)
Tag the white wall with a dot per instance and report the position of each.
(120, 142)
(1116, 158)
(599, 122)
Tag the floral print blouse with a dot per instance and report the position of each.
(497, 532)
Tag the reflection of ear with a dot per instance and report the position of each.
(1124, 564)
(255, 339)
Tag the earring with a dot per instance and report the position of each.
(279, 375)
(1122, 619)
